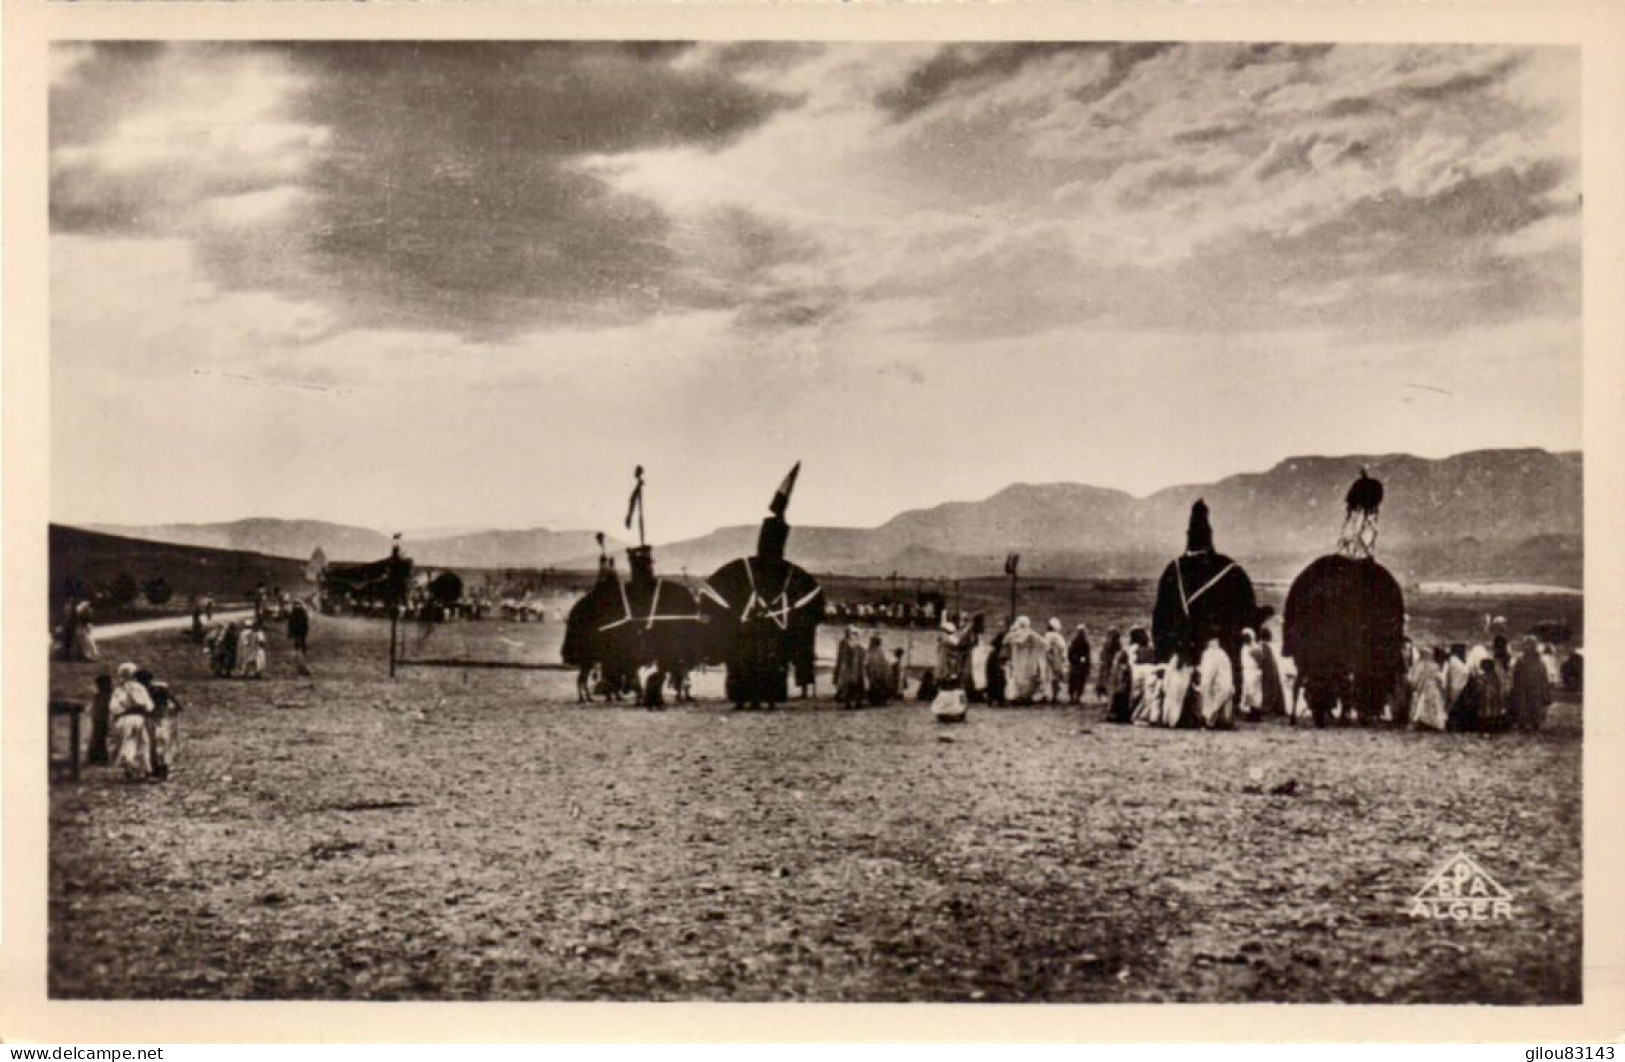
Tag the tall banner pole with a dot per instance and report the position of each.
(396, 596)
(634, 504)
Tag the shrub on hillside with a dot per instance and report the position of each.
(123, 589)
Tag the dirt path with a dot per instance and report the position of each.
(164, 623)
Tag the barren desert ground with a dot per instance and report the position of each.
(456, 834)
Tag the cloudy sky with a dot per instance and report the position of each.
(408, 285)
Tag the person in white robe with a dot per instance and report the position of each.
(1252, 677)
(1055, 662)
(254, 666)
(1297, 695)
(245, 647)
(1027, 652)
(131, 738)
(1217, 688)
(84, 633)
(1548, 659)
(951, 654)
(1397, 706)
(1176, 705)
(1428, 711)
(1147, 697)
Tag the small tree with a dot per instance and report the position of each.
(158, 591)
(123, 589)
(446, 589)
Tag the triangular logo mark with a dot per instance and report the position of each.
(1462, 891)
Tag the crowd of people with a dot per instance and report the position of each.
(1012, 664)
(1460, 688)
(1204, 693)
(1006, 666)
(236, 650)
(923, 613)
(867, 675)
(1477, 689)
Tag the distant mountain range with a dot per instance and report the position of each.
(1502, 514)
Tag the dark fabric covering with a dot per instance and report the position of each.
(995, 670)
(649, 621)
(1199, 532)
(225, 650)
(1223, 611)
(1344, 627)
(385, 579)
(771, 539)
(1077, 660)
(1530, 693)
(762, 614)
(100, 707)
(1365, 496)
(589, 613)
(1493, 716)
(1469, 706)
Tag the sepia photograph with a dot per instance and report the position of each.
(781, 521)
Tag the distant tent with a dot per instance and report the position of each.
(446, 588)
(1552, 631)
(317, 564)
(384, 580)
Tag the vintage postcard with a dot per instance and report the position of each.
(510, 507)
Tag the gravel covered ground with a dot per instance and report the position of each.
(477, 835)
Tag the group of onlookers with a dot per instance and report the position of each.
(1018, 664)
(1478, 689)
(1465, 689)
(1199, 692)
(886, 613)
(134, 717)
(1459, 689)
(866, 674)
(1011, 665)
(236, 650)
(134, 724)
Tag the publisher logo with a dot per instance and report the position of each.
(1462, 891)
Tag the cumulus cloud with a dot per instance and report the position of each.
(428, 184)
(836, 230)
